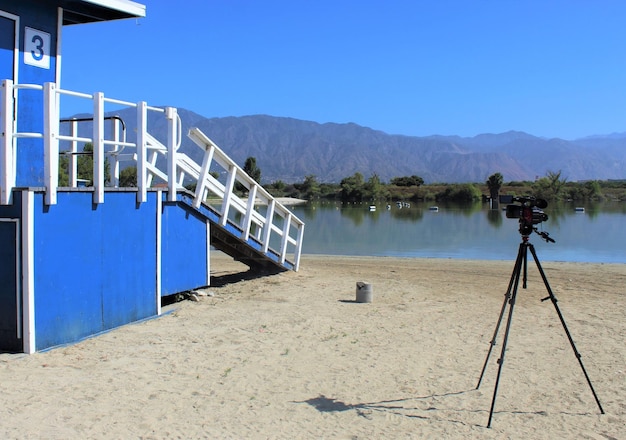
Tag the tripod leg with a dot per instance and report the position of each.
(507, 297)
(569, 336)
(518, 268)
(525, 278)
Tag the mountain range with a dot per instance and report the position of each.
(289, 149)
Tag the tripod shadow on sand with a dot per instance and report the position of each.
(396, 406)
(409, 408)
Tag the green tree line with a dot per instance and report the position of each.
(356, 188)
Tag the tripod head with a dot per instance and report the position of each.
(525, 230)
(545, 235)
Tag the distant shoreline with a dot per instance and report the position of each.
(288, 201)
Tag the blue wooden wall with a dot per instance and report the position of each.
(185, 249)
(95, 265)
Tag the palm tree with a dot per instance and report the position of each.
(494, 183)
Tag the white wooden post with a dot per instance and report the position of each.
(7, 176)
(228, 193)
(73, 159)
(172, 133)
(51, 143)
(115, 165)
(201, 184)
(28, 270)
(159, 250)
(142, 127)
(208, 252)
(249, 212)
(298, 247)
(285, 239)
(152, 160)
(98, 147)
(269, 223)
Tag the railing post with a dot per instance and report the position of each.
(172, 133)
(285, 238)
(98, 147)
(142, 128)
(151, 158)
(51, 142)
(115, 165)
(269, 224)
(7, 176)
(204, 174)
(296, 263)
(247, 222)
(228, 193)
(73, 159)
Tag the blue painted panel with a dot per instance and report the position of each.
(184, 249)
(68, 304)
(95, 265)
(233, 230)
(41, 16)
(254, 244)
(129, 258)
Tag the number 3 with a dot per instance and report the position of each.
(38, 41)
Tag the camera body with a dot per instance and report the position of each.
(531, 215)
(529, 211)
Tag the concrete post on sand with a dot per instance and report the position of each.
(364, 292)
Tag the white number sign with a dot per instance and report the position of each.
(37, 48)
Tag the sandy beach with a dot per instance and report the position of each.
(294, 356)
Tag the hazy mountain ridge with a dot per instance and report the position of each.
(289, 149)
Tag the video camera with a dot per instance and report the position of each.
(529, 212)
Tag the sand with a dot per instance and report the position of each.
(293, 356)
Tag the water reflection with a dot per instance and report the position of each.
(494, 217)
(462, 231)
(407, 214)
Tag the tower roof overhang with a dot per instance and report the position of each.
(89, 11)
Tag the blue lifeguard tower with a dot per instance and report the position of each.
(77, 260)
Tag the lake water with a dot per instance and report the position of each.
(454, 231)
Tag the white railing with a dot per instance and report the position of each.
(52, 137)
(259, 217)
(262, 226)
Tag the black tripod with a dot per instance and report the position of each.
(510, 297)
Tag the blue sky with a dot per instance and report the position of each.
(552, 68)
